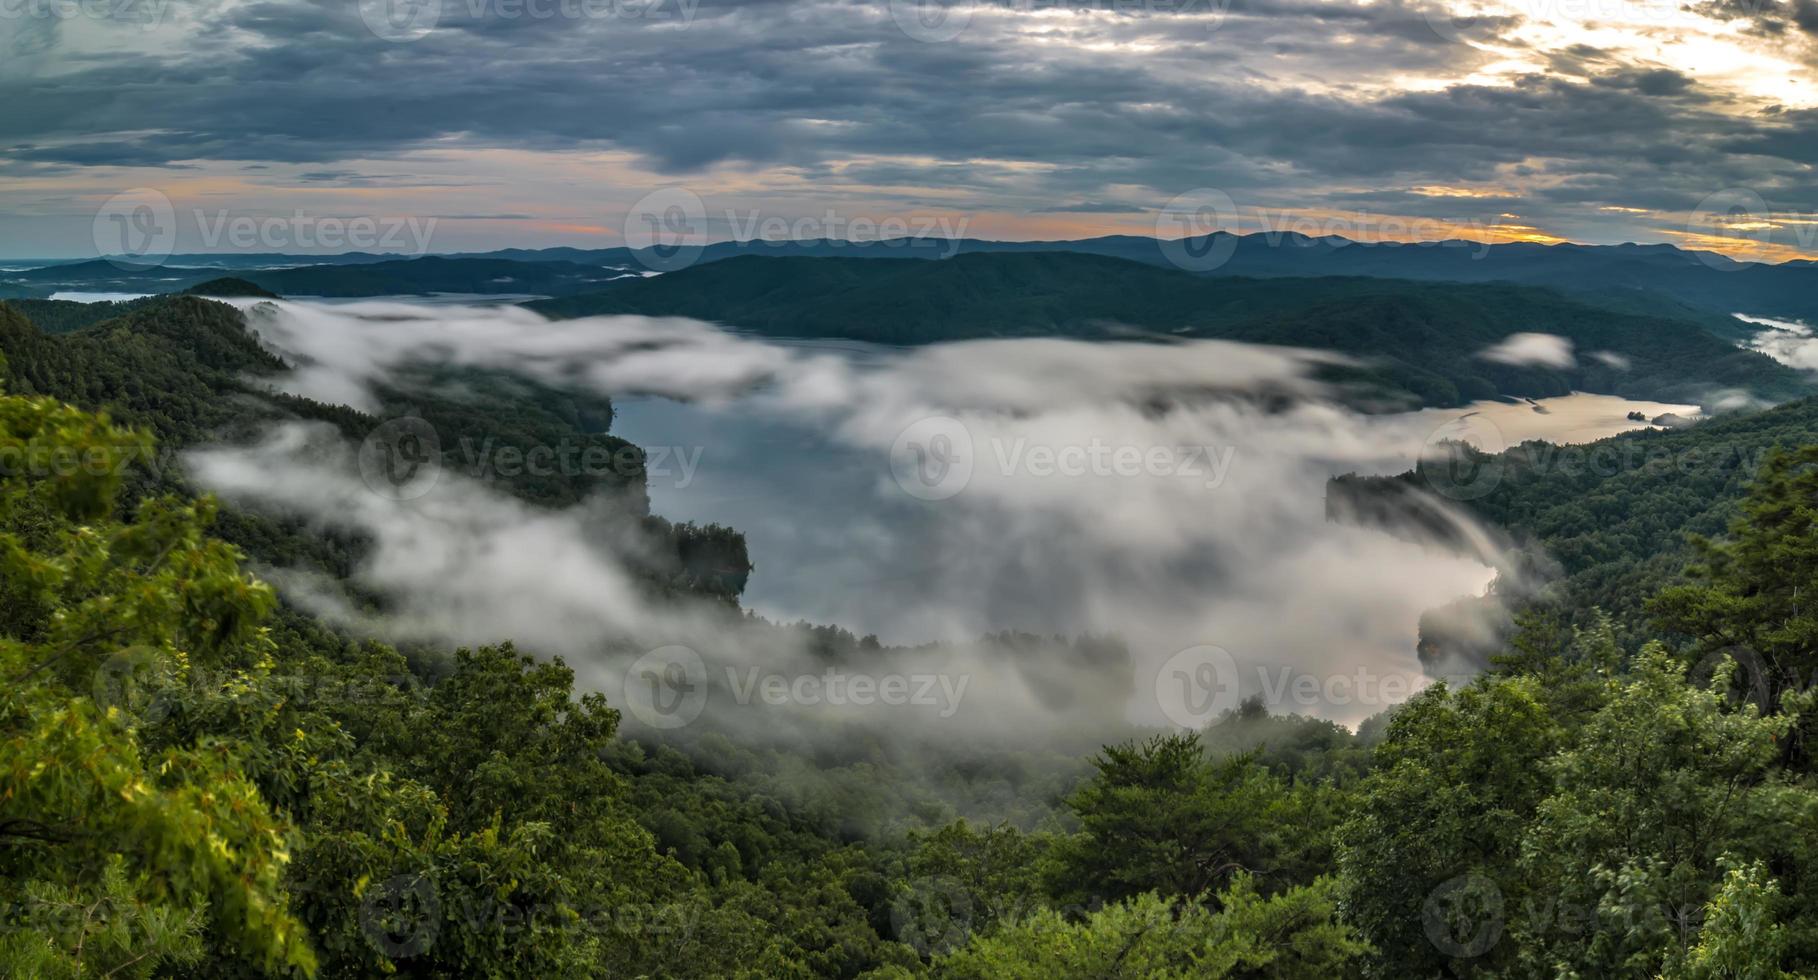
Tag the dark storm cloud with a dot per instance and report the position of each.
(1771, 17)
(1281, 103)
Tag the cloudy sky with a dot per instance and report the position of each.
(543, 122)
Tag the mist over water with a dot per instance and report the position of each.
(1788, 341)
(1170, 496)
(833, 537)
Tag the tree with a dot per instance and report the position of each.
(1435, 836)
(1291, 935)
(126, 853)
(1757, 594)
(1159, 816)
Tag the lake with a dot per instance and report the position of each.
(833, 540)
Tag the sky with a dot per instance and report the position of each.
(460, 125)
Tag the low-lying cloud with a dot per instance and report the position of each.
(1549, 350)
(1788, 341)
(1167, 495)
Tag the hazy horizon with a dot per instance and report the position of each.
(22, 259)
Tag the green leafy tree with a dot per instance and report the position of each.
(126, 852)
(1291, 935)
(1649, 798)
(1160, 816)
(1437, 825)
(1756, 594)
(1742, 937)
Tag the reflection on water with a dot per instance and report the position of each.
(1568, 420)
(82, 297)
(427, 299)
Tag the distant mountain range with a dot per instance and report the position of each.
(385, 277)
(1418, 342)
(1708, 281)
(1647, 321)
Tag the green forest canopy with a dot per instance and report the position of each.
(196, 780)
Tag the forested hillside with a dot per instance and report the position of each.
(381, 276)
(197, 780)
(186, 370)
(1420, 341)
(1608, 523)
